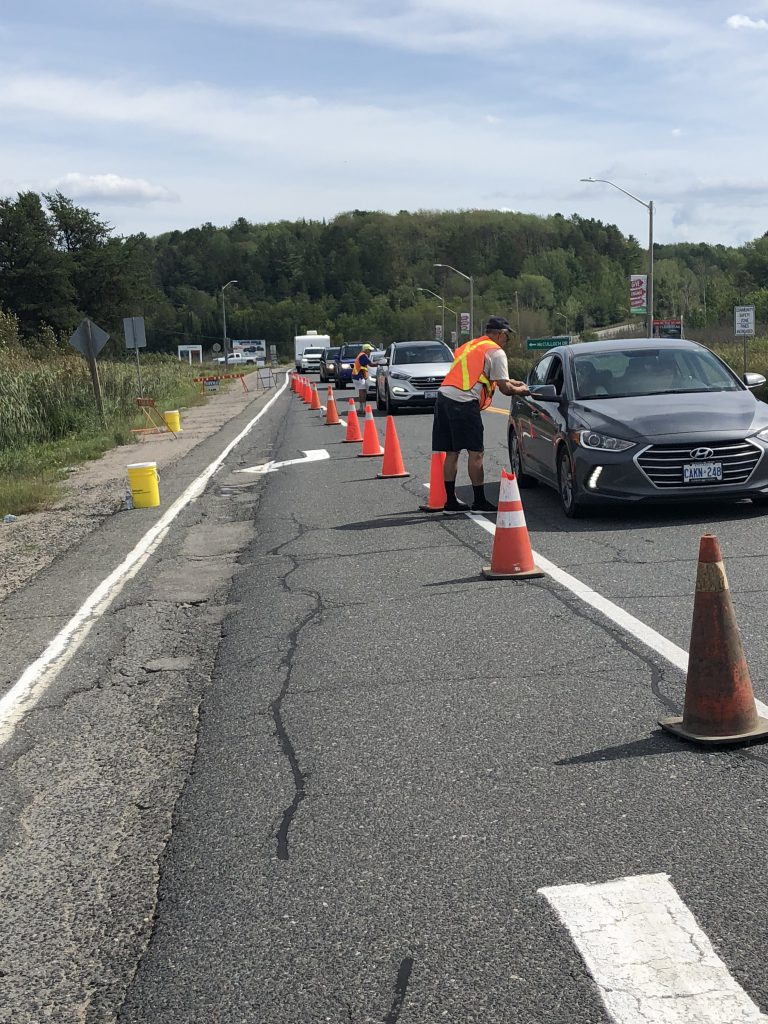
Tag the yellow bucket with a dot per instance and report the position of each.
(173, 420)
(143, 481)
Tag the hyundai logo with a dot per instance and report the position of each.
(702, 453)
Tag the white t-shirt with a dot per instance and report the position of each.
(495, 367)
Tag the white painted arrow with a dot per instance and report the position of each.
(316, 455)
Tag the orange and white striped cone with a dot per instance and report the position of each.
(307, 393)
(437, 496)
(331, 412)
(719, 703)
(371, 443)
(293, 381)
(353, 424)
(314, 402)
(511, 556)
(393, 459)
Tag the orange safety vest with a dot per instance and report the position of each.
(358, 369)
(467, 368)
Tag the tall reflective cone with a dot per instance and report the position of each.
(371, 443)
(393, 459)
(719, 702)
(307, 396)
(511, 556)
(331, 412)
(353, 424)
(314, 401)
(437, 496)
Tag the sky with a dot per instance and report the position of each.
(166, 114)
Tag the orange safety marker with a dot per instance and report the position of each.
(371, 443)
(331, 412)
(307, 393)
(437, 496)
(393, 460)
(353, 424)
(314, 402)
(719, 702)
(511, 556)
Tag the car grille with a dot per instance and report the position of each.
(427, 383)
(663, 463)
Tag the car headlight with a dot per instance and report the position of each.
(399, 376)
(762, 434)
(346, 366)
(591, 439)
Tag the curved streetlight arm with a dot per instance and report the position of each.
(467, 277)
(604, 181)
(430, 292)
(224, 320)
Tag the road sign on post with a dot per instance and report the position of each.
(464, 323)
(90, 339)
(135, 338)
(536, 344)
(744, 326)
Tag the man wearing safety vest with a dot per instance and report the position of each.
(360, 375)
(479, 367)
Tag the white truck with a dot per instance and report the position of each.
(310, 340)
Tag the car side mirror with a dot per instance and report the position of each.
(545, 393)
(382, 362)
(754, 380)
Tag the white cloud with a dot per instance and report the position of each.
(738, 21)
(676, 132)
(114, 188)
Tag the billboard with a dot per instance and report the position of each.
(668, 328)
(638, 294)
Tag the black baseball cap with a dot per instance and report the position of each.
(497, 323)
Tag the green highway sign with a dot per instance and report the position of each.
(539, 343)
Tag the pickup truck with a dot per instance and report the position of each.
(240, 359)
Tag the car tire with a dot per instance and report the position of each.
(567, 487)
(516, 461)
(389, 406)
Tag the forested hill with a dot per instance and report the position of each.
(356, 276)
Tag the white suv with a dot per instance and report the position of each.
(410, 374)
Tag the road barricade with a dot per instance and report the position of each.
(214, 378)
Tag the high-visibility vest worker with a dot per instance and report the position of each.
(358, 370)
(467, 368)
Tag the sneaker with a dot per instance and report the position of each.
(455, 506)
(484, 506)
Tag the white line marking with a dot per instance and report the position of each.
(648, 956)
(313, 455)
(30, 686)
(638, 629)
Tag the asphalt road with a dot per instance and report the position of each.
(373, 759)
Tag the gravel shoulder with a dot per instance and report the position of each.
(94, 491)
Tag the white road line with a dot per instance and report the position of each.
(31, 685)
(635, 627)
(648, 956)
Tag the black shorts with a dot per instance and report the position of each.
(457, 426)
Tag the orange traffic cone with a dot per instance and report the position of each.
(314, 402)
(306, 394)
(331, 412)
(511, 556)
(393, 460)
(437, 496)
(371, 443)
(719, 703)
(353, 424)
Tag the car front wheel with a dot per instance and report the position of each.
(567, 486)
(389, 406)
(516, 461)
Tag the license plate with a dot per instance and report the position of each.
(430, 394)
(698, 472)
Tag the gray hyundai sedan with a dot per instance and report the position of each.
(639, 420)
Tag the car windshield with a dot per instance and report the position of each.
(331, 353)
(647, 371)
(350, 351)
(313, 351)
(403, 354)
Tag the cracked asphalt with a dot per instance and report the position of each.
(313, 767)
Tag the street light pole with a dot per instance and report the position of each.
(467, 277)
(563, 317)
(224, 320)
(649, 208)
(441, 299)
